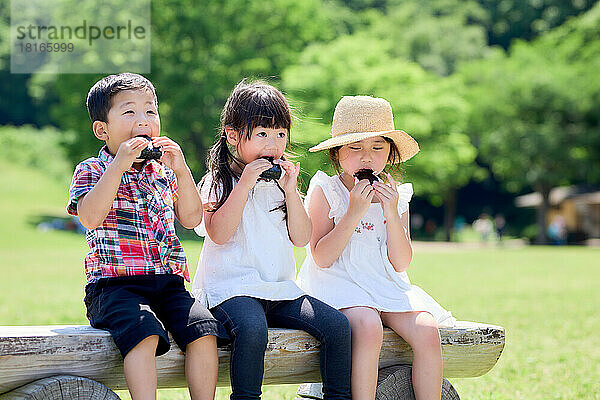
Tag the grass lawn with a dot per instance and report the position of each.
(547, 298)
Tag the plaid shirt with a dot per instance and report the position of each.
(138, 235)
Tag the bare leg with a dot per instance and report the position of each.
(367, 336)
(420, 331)
(140, 369)
(201, 367)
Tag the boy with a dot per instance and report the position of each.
(136, 265)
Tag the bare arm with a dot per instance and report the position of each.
(188, 207)
(399, 248)
(298, 222)
(328, 240)
(222, 224)
(93, 207)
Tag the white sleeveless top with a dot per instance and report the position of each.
(257, 261)
(363, 274)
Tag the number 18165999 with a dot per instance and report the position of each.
(45, 47)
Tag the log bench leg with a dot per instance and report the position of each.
(62, 387)
(396, 383)
(393, 383)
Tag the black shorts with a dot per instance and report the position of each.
(133, 308)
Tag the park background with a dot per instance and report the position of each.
(502, 96)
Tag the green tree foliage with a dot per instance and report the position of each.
(532, 115)
(535, 112)
(527, 19)
(28, 146)
(199, 52)
(362, 5)
(437, 35)
(428, 107)
(16, 105)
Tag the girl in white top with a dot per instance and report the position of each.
(246, 272)
(360, 247)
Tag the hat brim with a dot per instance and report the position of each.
(407, 146)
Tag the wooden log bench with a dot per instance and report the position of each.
(56, 362)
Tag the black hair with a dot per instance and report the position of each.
(249, 105)
(99, 98)
(393, 162)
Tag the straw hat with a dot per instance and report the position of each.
(360, 117)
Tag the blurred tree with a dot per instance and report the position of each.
(16, 105)
(502, 20)
(536, 113)
(198, 55)
(576, 44)
(361, 5)
(518, 19)
(437, 35)
(199, 52)
(428, 107)
(356, 15)
(431, 43)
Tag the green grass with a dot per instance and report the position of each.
(547, 298)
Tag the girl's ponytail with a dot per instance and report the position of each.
(250, 104)
(219, 166)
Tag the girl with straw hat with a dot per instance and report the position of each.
(360, 246)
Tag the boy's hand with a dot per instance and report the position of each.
(128, 151)
(360, 198)
(252, 171)
(289, 181)
(387, 194)
(172, 154)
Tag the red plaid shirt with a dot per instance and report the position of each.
(138, 235)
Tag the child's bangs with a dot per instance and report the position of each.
(267, 112)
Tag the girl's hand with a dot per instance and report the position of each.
(252, 171)
(387, 194)
(289, 181)
(361, 196)
(172, 154)
(128, 151)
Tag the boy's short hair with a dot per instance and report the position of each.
(99, 98)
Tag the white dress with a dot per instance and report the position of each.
(363, 274)
(257, 261)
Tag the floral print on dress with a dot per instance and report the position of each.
(364, 225)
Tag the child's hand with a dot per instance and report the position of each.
(387, 194)
(172, 154)
(289, 181)
(252, 171)
(360, 198)
(128, 151)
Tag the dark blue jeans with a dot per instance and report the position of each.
(246, 319)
